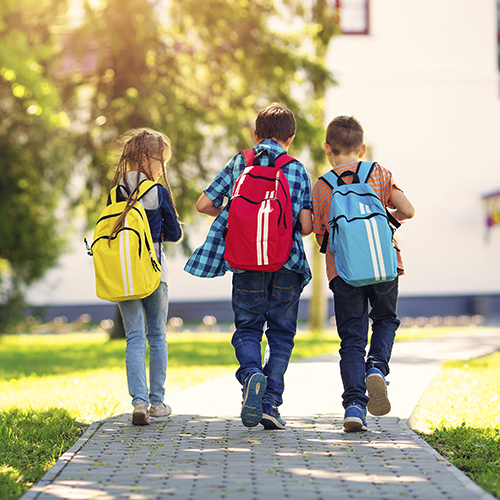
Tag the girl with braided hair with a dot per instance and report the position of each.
(144, 156)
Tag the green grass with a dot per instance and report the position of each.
(52, 385)
(30, 443)
(459, 415)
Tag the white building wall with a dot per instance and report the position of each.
(424, 84)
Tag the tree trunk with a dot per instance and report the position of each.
(118, 331)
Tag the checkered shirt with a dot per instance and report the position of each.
(208, 260)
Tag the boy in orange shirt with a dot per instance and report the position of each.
(360, 373)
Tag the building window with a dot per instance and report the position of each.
(354, 16)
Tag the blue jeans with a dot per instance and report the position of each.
(260, 297)
(352, 316)
(136, 314)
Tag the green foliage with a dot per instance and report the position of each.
(31, 442)
(35, 149)
(199, 72)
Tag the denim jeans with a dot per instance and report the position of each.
(136, 314)
(260, 297)
(352, 316)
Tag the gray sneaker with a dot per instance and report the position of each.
(376, 386)
(160, 410)
(140, 415)
(251, 409)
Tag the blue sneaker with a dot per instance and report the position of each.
(251, 410)
(355, 418)
(271, 418)
(376, 386)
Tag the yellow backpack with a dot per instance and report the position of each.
(126, 266)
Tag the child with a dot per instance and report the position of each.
(259, 297)
(344, 146)
(145, 154)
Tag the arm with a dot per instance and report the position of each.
(171, 228)
(404, 209)
(305, 219)
(204, 205)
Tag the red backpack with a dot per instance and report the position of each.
(259, 233)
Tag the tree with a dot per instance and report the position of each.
(326, 27)
(36, 151)
(200, 76)
(198, 70)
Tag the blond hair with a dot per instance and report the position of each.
(139, 147)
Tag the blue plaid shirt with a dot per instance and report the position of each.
(208, 261)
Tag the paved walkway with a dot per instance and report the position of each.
(204, 452)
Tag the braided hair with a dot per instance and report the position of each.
(139, 146)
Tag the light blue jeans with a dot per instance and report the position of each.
(145, 319)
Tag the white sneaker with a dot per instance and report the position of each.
(160, 410)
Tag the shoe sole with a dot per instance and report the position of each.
(251, 411)
(140, 419)
(379, 403)
(354, 424)
(271, 423)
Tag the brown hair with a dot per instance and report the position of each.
(139, 146)
(344, 135)
(275, 122)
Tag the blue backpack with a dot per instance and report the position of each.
(360, 229)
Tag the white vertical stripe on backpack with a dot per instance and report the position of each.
(259, 234)
(263, 230)
(374, 243)
(372, 249)
(123, 263)
(378, 246)
(129, 260)
(265, 238)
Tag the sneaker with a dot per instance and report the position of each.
(376, 386)
(271, 418)
(140, 415)
(251, 410)
(355, 418)
(160, 410)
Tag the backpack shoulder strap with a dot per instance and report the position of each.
(365, 169)
(248, 155)
(283, 160)
(113, 196)
(330, 178)
(145, 186)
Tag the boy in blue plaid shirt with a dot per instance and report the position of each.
(259, 297)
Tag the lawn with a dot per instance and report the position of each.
(459, 415)
(52, 386)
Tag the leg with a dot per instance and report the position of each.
(156, 308)
(383, 300)
(281, 329)
(133, 321)
(351, 313)
(249, 301)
